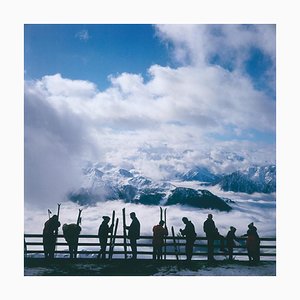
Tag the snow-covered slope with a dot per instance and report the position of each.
(108, 182)
(197, 198)
(261, 179)
(111, 183)
(198, 173)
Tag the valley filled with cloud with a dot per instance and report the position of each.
(203, 111)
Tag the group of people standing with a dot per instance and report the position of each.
(70, 231)
(160, 231)
(212, 234)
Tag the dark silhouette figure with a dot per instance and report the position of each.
(252, 243)
(190, 237)
(133, 233)
(221, 238)
(71, 234)
(210, 231)
(49, 236)
(159, 232)
(230, 238)
(103, 232)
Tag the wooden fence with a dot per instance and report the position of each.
(88, 247)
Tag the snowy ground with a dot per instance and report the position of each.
(148, 268)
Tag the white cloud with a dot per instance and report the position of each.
(83, 35)
(196, 44)
(57, 140)
(261, 211)
(69, 121)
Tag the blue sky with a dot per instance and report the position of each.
(91, 52)
(141, 95)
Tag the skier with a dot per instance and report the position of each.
(133, 233)
(71, 233)
(190, 236)
(49, 236)
(103, 232)
(209, 228)
(159, 232)
(230, 238)
(252, 243)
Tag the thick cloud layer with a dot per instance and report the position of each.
(68, 122)
(261, 211)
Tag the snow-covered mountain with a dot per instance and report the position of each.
(198, 173)
(109, 183)
(197, 198)
(261, 179)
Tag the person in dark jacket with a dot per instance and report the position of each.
(159, 232)
(190, 236)
(133, 234)
(230, 238)
(209, 228)
(252, 243)
(103, 232)
(71, 234)
(49, 236)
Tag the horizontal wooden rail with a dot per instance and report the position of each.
(139, 244)
(94, 236)
(33, 247)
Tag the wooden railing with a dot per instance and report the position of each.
(88, 247)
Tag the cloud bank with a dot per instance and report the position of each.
(206, 106)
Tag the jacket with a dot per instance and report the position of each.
(159, 233)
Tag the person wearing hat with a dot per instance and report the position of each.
(134, 233)
(209, 228)
(252, 243)
(230, 238)
(103, 232)
(190, 236)
(159, 232)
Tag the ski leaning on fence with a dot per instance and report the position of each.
(111, 250)
(175, 243)
(163, 217)
(78, 224)
(56, 231)
(124, 232)
(165, 240)
(111, 230)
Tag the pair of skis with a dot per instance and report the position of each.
(50, 212)
(163, 217)
(124, 232)
(49, 216)
(78, 223)
(114, 228)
